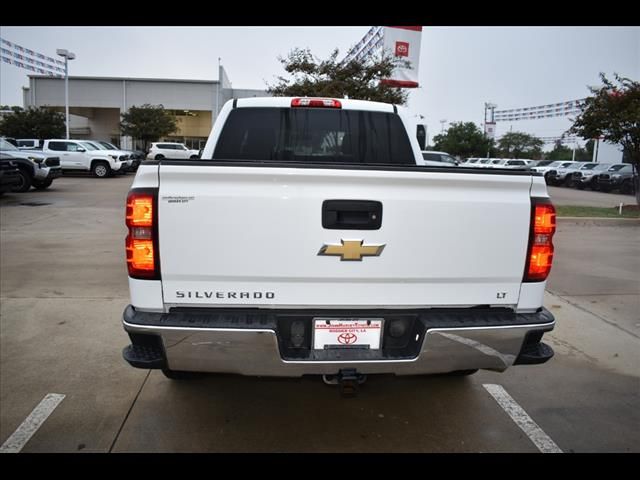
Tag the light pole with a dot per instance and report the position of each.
(442, 122)
(491, 107)
(67, 56)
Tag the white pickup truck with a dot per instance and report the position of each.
(311, 238)
(75, 155)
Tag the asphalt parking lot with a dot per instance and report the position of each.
(572, 196)
(63, 287)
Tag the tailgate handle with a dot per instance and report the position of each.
(351, 214)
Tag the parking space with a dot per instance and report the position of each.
(63, 288)
(588, 198)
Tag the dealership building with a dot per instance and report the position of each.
(96, 103)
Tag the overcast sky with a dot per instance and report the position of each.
(460, 67)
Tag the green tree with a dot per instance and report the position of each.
(9, 107)
(463, 139)
(39, 123)
(613, 114)
(147, 123)
(357, 79)
(520, 145)
(559, 152)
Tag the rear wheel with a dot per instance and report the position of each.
(42, 185)
(25, 182)
(101, 169)
(180, 375)
(461, 373)
(159, 157)
(626, 187)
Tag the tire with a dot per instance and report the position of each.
(194, 157)
(42, 185)
(101, 169)
(626, 187)
(180, 375)
(159, 157)
(580, 186)
(606, 189)
(461, 373)
(25, 182)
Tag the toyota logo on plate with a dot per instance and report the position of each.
(347, 338)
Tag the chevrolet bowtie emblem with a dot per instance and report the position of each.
(352, 250)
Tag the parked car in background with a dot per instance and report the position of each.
(578, 166)
(470, 162)
(29, 143)
(619, 176)
(36, 169)
(439, 159)
(507, 163)
(76, 157)
(123, 155)
(516, 163)
(546, 168)
(9, 174)
(484, 162)
(11, 140)
(136, 156)
(557, 175)
(541, 163)
(171, 150)
(587, 176)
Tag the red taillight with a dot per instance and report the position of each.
(316, 102)
(540, 254)
(141, 243)
(139, 210)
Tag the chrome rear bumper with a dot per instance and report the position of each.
(256, 351)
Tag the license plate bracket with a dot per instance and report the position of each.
(347, 333)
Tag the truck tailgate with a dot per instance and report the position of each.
(240, 235)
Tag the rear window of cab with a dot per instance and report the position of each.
(314, 135)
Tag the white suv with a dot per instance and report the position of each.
(171, 151)
(438, 159)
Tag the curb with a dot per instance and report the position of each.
(600, 220)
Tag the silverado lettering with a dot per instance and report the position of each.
(205, 294)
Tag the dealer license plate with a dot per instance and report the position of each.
(346, 332)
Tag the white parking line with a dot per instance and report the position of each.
(32, 423)
(524, 421)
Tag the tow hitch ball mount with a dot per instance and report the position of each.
(348, 381)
